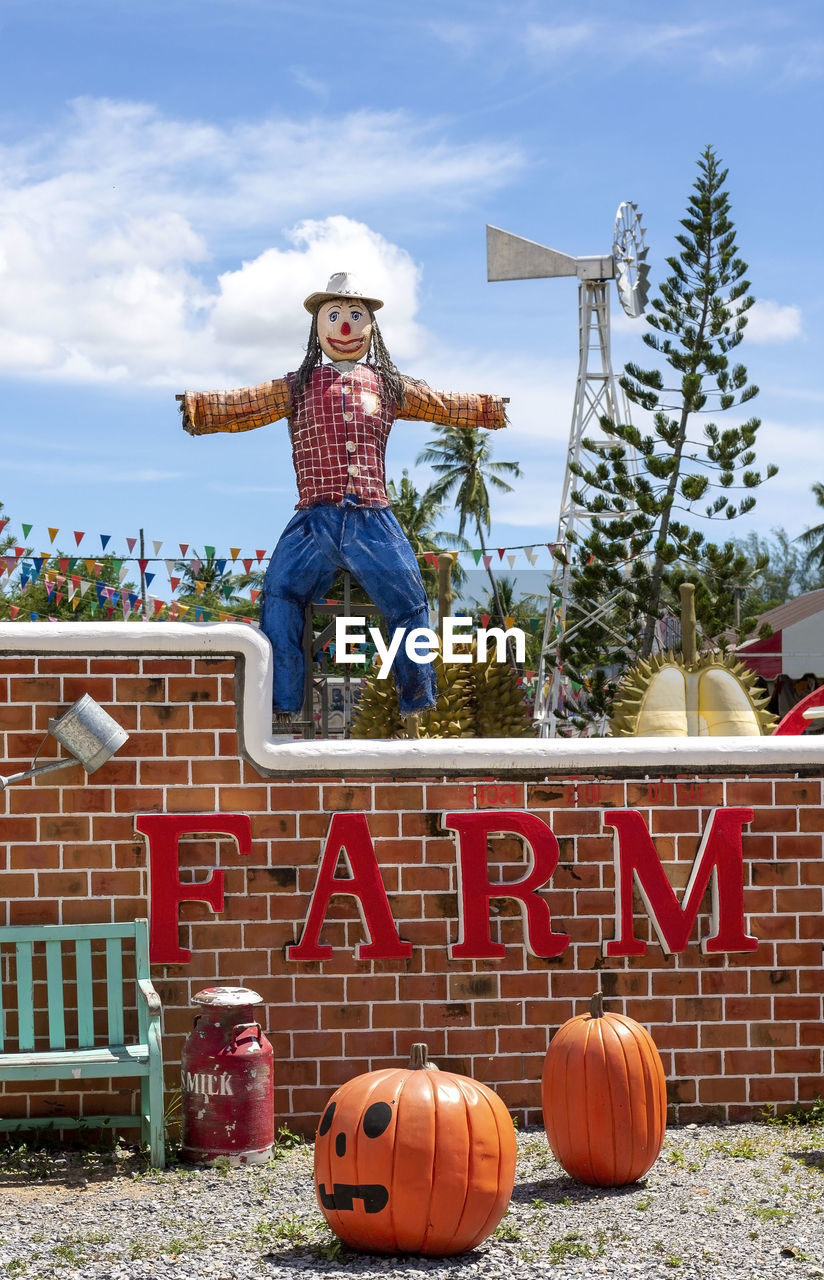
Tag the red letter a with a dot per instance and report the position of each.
(349, 833)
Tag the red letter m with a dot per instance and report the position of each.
(636, 862)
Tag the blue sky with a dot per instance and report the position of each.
(176, 176)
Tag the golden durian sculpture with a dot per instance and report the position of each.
(684, 696)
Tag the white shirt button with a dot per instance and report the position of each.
(353, 471)
(351, 446)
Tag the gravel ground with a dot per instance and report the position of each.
(743, 1202)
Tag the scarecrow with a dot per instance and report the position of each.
(340, 414)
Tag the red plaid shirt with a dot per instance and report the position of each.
(339, 427)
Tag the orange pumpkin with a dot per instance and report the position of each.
(604, 1098)
(414, 1160)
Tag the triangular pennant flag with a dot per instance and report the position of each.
(3, 522)
(184, 547)
(529, 552)
(149, 578)
(142, 565)
(485, 618)
(511, 561)
(84, 586)
(125, 606)
(122, 573)
(171, 565)
(431, 558)
(79, 535)
(226, 592)
(487, 561)
(89, 566)
(37, 561)
(198, 613)
(501, 551)
(64, 564)
(34, 616)
(260, 554)
(234, 552)
(131, 543)
(76, 600)
(510, 621)
(53, 534)
(220, 565)
(27, 528)
(175, 583)
(254, 595)
(14, 610)
(59, 597)
(199, 586)
(477, 556)
(105, 538)
(157, 546)
(158, 607)
(247, 564)
(210, 552)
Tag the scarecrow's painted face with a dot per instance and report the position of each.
(344, 329)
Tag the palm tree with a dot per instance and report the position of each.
(813, 539)
(207, 583)
(524, 610)
(416, 513)
(460, 457)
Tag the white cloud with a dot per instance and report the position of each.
(110, 223)
(772, 322)
(553, 41)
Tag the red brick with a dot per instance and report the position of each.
(444, 796)
(728, 1089)
(164, 716)
(779, 820)
(752, 794)
(798, 792)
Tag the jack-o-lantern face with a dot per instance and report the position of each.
(342, 1195)
(414, 1161)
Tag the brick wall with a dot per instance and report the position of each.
(736, 1032)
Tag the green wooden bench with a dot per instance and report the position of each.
(46, 986)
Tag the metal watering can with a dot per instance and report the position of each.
(86, 731)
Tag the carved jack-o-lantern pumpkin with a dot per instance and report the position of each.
(414, 1160)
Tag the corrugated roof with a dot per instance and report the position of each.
(784, 615)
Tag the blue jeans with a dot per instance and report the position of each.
(316, 543)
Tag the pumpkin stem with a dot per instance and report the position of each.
(419, 1058)
(596, 1005)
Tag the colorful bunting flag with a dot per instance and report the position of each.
(27, 528)
(53, 534)
(105, 538)
(79, 535)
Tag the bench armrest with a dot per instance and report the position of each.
(150, 996)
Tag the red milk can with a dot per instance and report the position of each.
(226, 1081)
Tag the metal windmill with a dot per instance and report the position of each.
(597, 395)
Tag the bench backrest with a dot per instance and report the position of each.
(63, 957)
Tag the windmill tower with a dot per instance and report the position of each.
(597, 395)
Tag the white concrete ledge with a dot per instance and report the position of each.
(495, 757)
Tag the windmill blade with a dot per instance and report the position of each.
(511, 257)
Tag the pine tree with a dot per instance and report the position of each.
(641, 529)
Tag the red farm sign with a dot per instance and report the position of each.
(718, 866)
